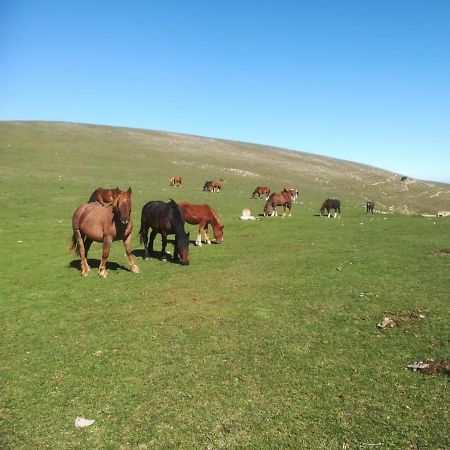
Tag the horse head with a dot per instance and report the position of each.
(122, 206)
(183, 247)
(218, 233)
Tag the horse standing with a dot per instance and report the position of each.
(208, 186)
(370, 206)
(175, 181)
(282, 199)
(104, 196)
(293, 193)
(164, 218)
(93, 222)
(203, 215)
(216, 186)
(261, 190)
(329, 204)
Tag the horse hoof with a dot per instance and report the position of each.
(103, 274)
(135, 269)
(84, 274)
(198, 244)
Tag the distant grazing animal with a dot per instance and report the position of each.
(293, 192)
(175, 181)
(282, 199)
(203, 215)
(104, 196)
(216, 186)
(370, 206)
(93, 222)
(261, 190)
(212, 186)
(208, 186)
(164, 218)
(329, 204)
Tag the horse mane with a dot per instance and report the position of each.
(93, 197)
(216, 216)
(178, 213)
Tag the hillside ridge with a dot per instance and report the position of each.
(249, 164)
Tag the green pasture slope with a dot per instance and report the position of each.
(267, 341)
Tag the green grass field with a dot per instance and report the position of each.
(267, 341)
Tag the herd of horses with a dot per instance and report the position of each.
(106, 217)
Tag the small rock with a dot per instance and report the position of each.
(81, 422)
(386, 323)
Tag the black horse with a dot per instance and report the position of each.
(370, 206)
(164, 218)
(329, 204)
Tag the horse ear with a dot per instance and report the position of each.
(129, 191)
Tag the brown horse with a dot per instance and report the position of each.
(203, 215)
(175, 181)
(93, 222)
(164, 218)
(208, 186)
(370, 206)
(261, 190)
(293, 193)
(216, 186)
(329, 204)
(104, 196)
(282, 199)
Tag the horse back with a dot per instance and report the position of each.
(95, 221)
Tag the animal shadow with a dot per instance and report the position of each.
(95, 264)
(158, 255)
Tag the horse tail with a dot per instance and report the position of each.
(74, 245)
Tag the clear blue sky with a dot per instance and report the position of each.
(362, 80)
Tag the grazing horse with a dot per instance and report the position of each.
(104, 196)
(164, 218)
(261, 190)
(293, 193)
(329, 204)
(216, 186)
(175, 181)
(370, 206)
(282, 199)
(203, 215)
(93, 222)
(208, 186)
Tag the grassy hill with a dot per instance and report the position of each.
(268, 340)
(156, 156)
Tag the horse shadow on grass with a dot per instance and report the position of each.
(158, 255)
(95, 264)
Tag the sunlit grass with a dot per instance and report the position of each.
(267, 341)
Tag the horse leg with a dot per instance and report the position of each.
(144, 240)
(87, 246)
(127, 245)
(164, 245)
(83, 261)
(105, 253)
(329, 212)
(198, 241)
(176, 257)
(205, 232)
(150, 242)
